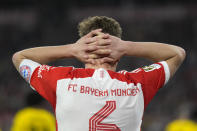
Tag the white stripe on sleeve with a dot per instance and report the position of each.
(167, 71)
(27, 68)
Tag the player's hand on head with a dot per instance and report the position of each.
(102, 41)
(117, 49)
(85, 45)
(98, 45)
(109, 50)
(93, 33)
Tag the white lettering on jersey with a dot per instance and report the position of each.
(84, 89)
(42, 68)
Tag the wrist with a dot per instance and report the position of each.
(124, 47)
(73, 50)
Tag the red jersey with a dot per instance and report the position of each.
(96, 99)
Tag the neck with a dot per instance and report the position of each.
(104, 66)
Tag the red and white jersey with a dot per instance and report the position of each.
(96, 99)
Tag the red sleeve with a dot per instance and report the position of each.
(154, 77)
(44, 80)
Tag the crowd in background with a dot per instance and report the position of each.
(25, 24)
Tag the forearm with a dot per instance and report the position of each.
(43, 55)
(156, 52)
(151, 50)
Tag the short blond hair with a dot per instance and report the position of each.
(108, 25)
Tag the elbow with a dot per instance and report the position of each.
(16, 59)
(16, 56)
(181, 53)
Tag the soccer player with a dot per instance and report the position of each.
(97, 98)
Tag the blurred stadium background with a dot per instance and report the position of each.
(30, 23)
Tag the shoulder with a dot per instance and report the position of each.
(70, 72)
(126, 76)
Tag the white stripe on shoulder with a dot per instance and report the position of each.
(167, 71)
(27, 68)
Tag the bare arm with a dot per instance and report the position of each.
(156, 52)
(153, 51)
(80, 50)
(42, 55)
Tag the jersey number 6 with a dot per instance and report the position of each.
(95, 121)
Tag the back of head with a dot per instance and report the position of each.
(108, 25)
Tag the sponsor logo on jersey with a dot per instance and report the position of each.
(151, 67)
(25, 71)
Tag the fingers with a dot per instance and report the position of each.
(101, 46)
(91, 48)
(93, 56)
(103, 42)
(93, 33)
(102, 52)
(97, 33)
(102, 35)
(99, 40)
(90, 40)
(98, 54)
